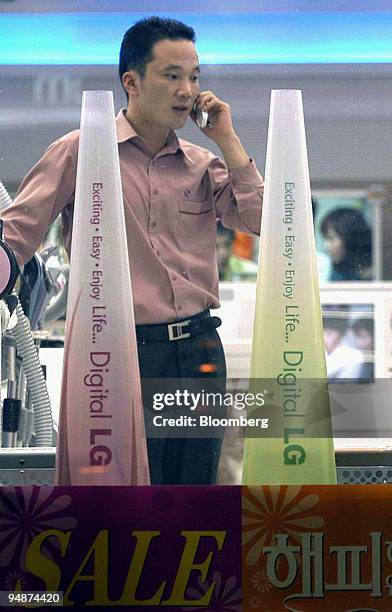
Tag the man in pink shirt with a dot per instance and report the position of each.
(174, 192)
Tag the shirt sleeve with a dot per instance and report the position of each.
(238, 196)
(42, 195)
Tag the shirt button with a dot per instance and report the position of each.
(153, 223)
(155, 191)
(174, 277)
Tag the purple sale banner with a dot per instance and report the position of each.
(127, 547)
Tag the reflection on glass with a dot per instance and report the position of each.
(231, 267)
(349, 341)
(344, 237)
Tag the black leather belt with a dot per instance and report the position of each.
(179, 330)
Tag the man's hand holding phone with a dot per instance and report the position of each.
(220, 128)
(212, 116)
(201, 117)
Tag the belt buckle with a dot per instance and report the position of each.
(175, 330)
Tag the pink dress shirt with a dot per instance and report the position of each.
(171, 203)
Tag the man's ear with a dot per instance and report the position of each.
(131, 82)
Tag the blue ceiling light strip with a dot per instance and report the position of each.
(222, 38)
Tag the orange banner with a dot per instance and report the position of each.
(317, 548)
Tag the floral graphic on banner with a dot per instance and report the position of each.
(13, 580)
(25, 512)
(226, 597)
(270, 510)
(260, 581)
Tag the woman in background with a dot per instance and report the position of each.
(348, 242)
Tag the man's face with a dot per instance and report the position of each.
(363, 339)
(170, 86)
(332, 338)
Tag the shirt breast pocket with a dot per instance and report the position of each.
(196, 225)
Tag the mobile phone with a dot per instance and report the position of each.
(201, 117)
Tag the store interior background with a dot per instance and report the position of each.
(347, 107)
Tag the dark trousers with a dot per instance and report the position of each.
(183, 460)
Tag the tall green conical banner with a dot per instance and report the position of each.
(288, 359)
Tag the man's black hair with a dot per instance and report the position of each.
(339, 324)
(365, 324)
(336, 316)
(138, 41)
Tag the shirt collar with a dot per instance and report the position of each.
(125, 132)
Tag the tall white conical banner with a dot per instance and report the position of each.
(288, 359)
(101, 432)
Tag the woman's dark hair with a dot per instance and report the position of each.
(351, 226)
(137, 44)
